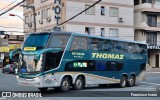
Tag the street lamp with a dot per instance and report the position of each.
(19, 17)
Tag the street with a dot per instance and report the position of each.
(8, 83)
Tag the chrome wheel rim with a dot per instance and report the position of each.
(79, 83)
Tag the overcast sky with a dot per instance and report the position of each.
(10, 21)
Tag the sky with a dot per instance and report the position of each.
(11, 23)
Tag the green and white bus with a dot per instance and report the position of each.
(64, 59)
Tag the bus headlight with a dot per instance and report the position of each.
(37, 78)
(17, 76)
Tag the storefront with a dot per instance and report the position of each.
(4, 54)
(154, 56)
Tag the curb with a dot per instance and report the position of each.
(154, 72)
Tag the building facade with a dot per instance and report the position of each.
(147, 28)
(8, 43)
(110, 18)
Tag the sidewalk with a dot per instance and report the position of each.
(155, 70)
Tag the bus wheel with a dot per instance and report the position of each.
(123, 81)
(43, 89)
(131, 81)
(79, 83)
(65, 84)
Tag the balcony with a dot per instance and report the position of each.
(153, 24)
(153, 44)
(148, 7)
(148, 26)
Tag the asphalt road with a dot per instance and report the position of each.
(8, 83)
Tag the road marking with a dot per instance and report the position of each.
(154, 72)
(150, 83)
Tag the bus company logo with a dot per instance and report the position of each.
(6, 94)
(107, 56)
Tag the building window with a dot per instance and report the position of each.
(113, 32)
(26, 19)
(152, 20)
(152, 38)
(43, 14)
(102, 31)
(89, 30)
(136, 2)
(113, 12)
(147, 1)
(89, 11)
(102, 10)
(48, 12)
(31, 18)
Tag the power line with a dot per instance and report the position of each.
(8, 5)
(79, 13)
(12, 7)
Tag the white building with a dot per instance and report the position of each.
(147, 28)
(111, 18)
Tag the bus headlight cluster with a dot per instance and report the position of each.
(37, 78)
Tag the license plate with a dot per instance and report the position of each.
(26, 84)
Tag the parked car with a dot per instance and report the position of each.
(10, 68)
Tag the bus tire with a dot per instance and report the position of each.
(123, 82)
(131, 81)
(43, 89)
(65, 84)
(79, 83)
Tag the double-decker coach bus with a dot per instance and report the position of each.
(65, 59)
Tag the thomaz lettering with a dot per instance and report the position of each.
(107, 56)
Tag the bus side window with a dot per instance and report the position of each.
(143, 49)
(119, 47)
(131, 48)
(108, 45)
(114, 66)
(93, 45)
(79, 43)
(100, 66)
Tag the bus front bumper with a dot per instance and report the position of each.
(36, 82)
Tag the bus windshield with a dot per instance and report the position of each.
(36, 40)
(59, 41)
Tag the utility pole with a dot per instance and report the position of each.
(34, 18)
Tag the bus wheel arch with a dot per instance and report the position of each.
(123, 81)
(132, 80)
(65, 83)
(79, 82)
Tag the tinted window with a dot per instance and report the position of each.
(108, 45)
(59, 41)
(100, 65)
(134, 48)
(130, 47)
(36, 40)
(143, 49)
(8, 66)
(119, 47)
(93, 66)
(96, 44)
(79, 43)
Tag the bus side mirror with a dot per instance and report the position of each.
(11, 53)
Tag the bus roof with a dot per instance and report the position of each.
(82, 34)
